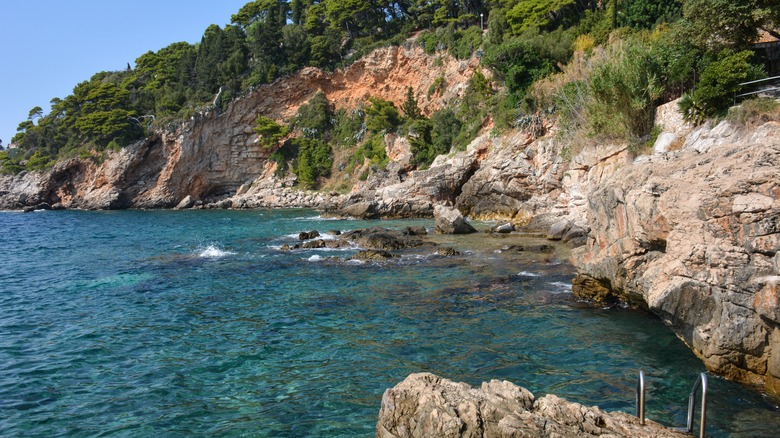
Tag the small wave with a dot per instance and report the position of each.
(528, 274)
(561, 287)
(213, 252)
(315, 258)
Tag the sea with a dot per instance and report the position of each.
(196, 323)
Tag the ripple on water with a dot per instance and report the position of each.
(188, 323)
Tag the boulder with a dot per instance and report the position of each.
(425, 405)
(187, 202)
(504, 228)
(306, 235)
(383, 239)
(450, 221)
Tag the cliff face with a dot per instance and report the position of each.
(694, 236)
(215, 153)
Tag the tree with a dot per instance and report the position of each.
(35, 113)
(717, 24)
(269, 131)
(718, 83)
(409, 107)
(382, 115)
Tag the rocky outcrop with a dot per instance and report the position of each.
(693, 235)
(425, 405)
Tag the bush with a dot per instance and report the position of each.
(315, 159)
(314, 117)
(374, 150)
(269, 131)
(382, 116)
(348, 127)
(718, 84)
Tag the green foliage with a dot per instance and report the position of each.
(459, 43)
(348, 128)
(9, 164)
(719, 82)
(382, 116)
(269, 131)
(615, 99)
(526, 14)
(315, 160)
(314, 117)
(718, 24)
(409, 107)
(282, 156)
(373, 149)
(445, 129)
(644, 14)
(39, 161)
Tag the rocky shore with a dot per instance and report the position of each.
(692, 234)
(425, 405)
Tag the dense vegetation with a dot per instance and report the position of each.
(599, 65)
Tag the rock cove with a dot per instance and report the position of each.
(691, 235)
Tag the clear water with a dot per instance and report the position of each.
(194, 324)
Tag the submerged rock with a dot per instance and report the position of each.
(373, 255)
(384, 239)
(425, 405)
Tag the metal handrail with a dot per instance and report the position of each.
(692, 402)
(640, 397)
(760, 80)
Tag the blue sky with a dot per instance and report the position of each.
(49, 46)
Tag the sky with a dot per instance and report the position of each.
(49, 46)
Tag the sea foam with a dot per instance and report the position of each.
(213, 252)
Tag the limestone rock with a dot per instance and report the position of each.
(450, 221)
(693, 236)
(425, 405)
(383, 239)
(504, 228)
(187, 202)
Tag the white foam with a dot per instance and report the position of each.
(528, 274)
(561, 287)
(315, 258)
(213, 252)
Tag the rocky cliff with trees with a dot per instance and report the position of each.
(542, 113)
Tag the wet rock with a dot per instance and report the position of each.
(314, 244)
(448, 252)
(306, 235)
(540, 248)
(559, 229)
(425, 405)
(383, 239)
(504, 228)
(415, 231)
(450, 221)
(368, 255)
(333, 232)
(287, 247)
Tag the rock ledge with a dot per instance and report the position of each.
(425, 405)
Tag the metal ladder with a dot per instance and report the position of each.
(700, 381)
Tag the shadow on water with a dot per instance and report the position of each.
(194, 323)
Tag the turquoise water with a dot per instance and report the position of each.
(194, 324)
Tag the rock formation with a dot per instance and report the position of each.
(425, 405)
(693, 235)
(215, 153)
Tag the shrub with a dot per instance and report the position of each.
(718, 84)
(382, 116)
(315, 159)
(314, 117)
(269, 131)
